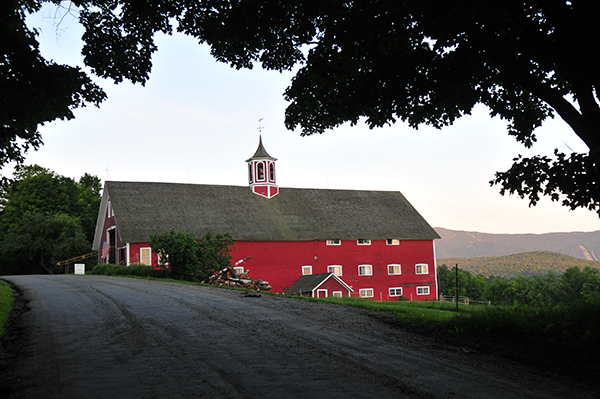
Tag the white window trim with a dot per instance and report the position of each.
(239, 269)
(337, 294)
(271, 168)
(260, 165)
(309, 268)
(141, 256)
(330, 266)
(363, 241)
(394, 241)
(333, 242)
(423, 288)
(395, 294)
(420, 265)
(362, 293)
(399, 267)
(365, 266)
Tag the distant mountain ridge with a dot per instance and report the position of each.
(526, 264)
(472, 244)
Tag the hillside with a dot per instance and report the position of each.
(471, 244)
(527, 264)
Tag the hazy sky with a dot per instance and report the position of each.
(196, 121)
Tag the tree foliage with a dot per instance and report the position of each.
(189, 259)
(45, 218)
(552, 289)
(33, 90)
(381, 61)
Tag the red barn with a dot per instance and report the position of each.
(374, 242)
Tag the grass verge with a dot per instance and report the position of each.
(564, 340)
(6, 300)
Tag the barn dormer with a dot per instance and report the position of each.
(261, 172)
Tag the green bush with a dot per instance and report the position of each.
(135, 269)
(189, 259)
(140, 270)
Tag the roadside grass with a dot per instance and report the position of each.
(564, 340)
(426, 314)
(6, 300)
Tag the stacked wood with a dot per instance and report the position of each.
(228, 277)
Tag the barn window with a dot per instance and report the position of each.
(422, 268)
(365, 270)
(363, 241)
(163, 258)
(337, 294)
(260, 170)
(394, 269)
(146, 256)
(239, 269)
(271, 172)
(366, 293)
(396, 291)
(306, 270)
(250, 174)
(334, 242)
(392, 241)
(335, 269)
(422, 290)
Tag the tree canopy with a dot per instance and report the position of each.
(377, 61)
(45, 218)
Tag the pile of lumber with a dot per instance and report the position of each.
(228, 277)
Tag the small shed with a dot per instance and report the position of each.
(320, 285)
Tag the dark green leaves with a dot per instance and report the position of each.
(187, 259)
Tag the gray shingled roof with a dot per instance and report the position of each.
(261, 153)
(142, 209)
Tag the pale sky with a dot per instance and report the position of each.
(196, 121)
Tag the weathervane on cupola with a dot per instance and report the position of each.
(261, 170)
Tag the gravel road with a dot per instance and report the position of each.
(103, 337)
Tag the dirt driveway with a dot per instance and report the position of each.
(103, 337)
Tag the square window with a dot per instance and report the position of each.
(392, 241)
(306, 270)
(334, 242)
(363, 241)
(422, 268)
(366, 293)
(394, 269)
(396, 291)
(335, 269)
(336, 294)
(365, 270)
(422, 290)
(239, 269)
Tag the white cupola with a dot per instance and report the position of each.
(261, 172)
